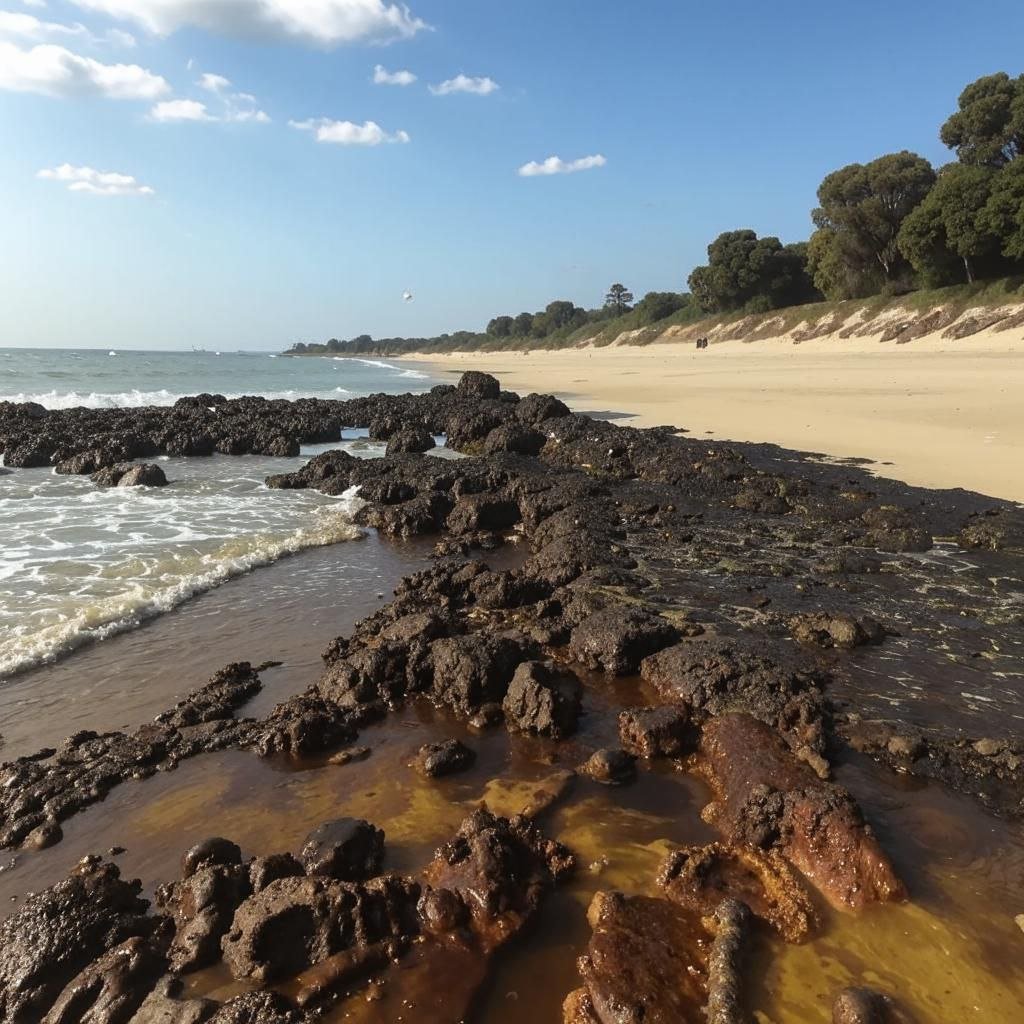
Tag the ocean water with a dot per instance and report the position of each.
(63, 379)
(79, 564)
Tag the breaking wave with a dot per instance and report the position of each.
(166, 584)
(135, 398)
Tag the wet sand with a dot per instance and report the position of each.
(932, 413)
(286, 612)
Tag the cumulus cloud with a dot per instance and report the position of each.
(348, 133)
(463, 83)
(556, 165)
(235, 107)
(97, 183)
(175, 111)
(316, 22)
(381, 76)
(56, 71)
(213, 83)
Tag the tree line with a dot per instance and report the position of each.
(548, 327)
(884, 227)
(895, 223)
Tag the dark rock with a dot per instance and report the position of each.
(414, 440)
(44, 836)
(617, 639)
(264, 870)
(895, 530)
(715, 677)
(126, 474)
(470, 671)
(655, 732)
(835, 629)
(57, 933)
(474, 384)
(260, 1008)
(202, 906)
(611, 767)
(514, 437)
(543, 699)
(348, 850)
(535, 409)
(112, 988)
(296, 922)
(499, 870)
(210, 853)
(161, 1007)
(860, 1006)
(447, 758)
(488, 717)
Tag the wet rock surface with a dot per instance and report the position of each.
(766, 798)
(773, 608)
(647, 961)
(56, 934)
(438, 759)
(699, 878)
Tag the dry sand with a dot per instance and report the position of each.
(937, 413)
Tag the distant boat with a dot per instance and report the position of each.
(111, 353)
(201, 351)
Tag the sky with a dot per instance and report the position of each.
(251, 173)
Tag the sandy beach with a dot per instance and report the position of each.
(935, 413)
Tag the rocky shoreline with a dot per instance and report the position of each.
(740, 586)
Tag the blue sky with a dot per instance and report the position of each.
(242, 230)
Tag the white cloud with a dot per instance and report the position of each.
(236, 108)
(119, 37)
(173, 111)
(381, 76)
(316, 22)
(555, 165)
(97, 183)
(247, 116)
(55, 71)
(463, 83)
(27, 26)
(348, 133)
(213, 83)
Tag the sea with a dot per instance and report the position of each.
(79, 564)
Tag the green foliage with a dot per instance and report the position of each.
(1003, 216)
(945, 237)
(747, 272)
(655, 306)
(988, 129)
(864, 206)
(522, 326)
(619, 299)
(502, 327)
